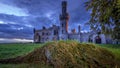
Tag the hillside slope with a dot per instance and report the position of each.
(68, 54)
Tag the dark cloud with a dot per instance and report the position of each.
(21, 27)
(15, 31)
(76, 8)
(10, 18)
(40, 13)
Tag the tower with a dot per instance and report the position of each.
(79, 29)
(64, 17)
(79, 34)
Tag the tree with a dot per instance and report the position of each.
(105, 15)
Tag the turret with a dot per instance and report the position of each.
(79, 29)
(64, 7)
(34, 30)
(73, 31)
(64, 17)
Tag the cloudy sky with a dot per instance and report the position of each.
(19, 17)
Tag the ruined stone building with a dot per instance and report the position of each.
(61, 32)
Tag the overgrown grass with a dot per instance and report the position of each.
(70, 54)
(14, 50)
(114, 48)
(24, 66)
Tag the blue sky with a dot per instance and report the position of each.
(19, 17)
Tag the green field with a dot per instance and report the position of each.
(114, 48)
(14, 50)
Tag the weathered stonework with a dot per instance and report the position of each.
(55, 33)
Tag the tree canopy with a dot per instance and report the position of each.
(105, 15)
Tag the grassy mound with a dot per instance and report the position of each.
(68, 54)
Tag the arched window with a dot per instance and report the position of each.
(98, 40)
(55, 32)
(62, 31)
(90, 40)
(37, 38)
(42, 33)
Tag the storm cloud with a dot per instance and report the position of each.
(38, 13)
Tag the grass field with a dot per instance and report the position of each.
(14, 50)
(24, 66)
(114, 48)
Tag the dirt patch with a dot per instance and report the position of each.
(70, 54)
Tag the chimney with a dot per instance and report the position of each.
(79, 29)
(73, 31)
(44, 27)
(34, 30)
